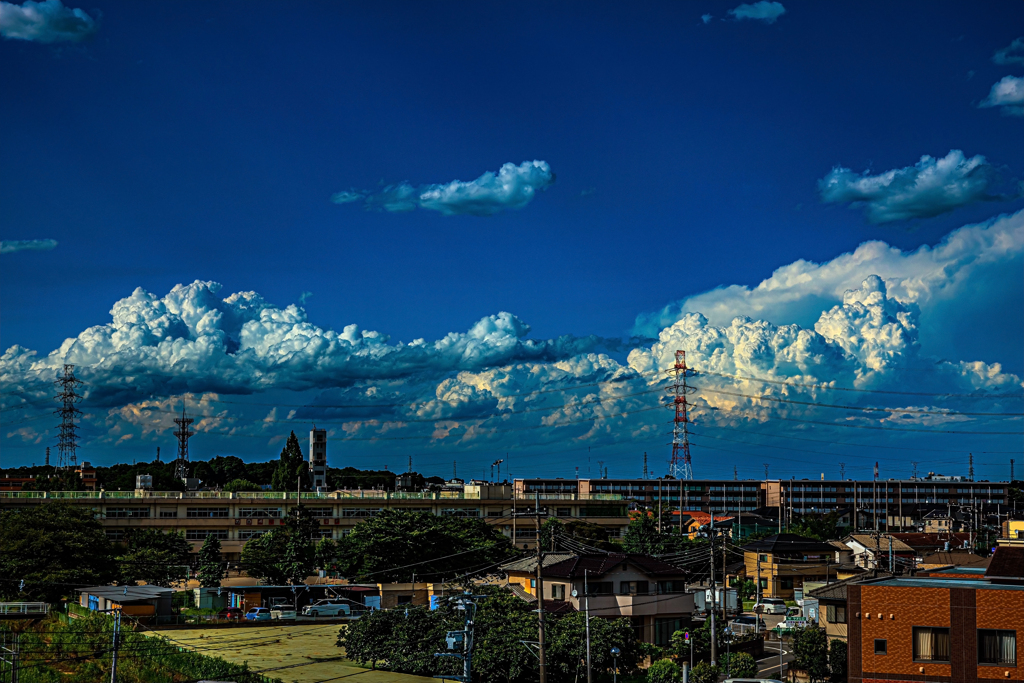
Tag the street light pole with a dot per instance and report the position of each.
(615, 665)
(586, 608)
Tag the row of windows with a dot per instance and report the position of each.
(120, 535)
(932, 644)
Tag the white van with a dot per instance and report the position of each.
(771, 606)
(327, 608)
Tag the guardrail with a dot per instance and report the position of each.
(26, 608)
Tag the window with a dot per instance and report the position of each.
(259, 512)
(563, 512)
(494, 512)
(533, 583)
(206, 512)
(997, 647)
(249, 534)
(881, 646)
(168, 512)
(558, 591)
(601, 587)
(320, 513)
(835, 614)
(122, 513)
(664, 628)
(762, 558)
(632, 588)
(460, 512)
(359, 512)
(115, 535)
(786, 582)
(404, 599)
(764, 584)
(322, 533)
(931, 644)
(665, 587)
(201, 534)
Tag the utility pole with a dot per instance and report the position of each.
(711, 611)
(453, 639)
(586, 608)
(645, 464)
(540, 594)
(117, 644)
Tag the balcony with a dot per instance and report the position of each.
(641, 605)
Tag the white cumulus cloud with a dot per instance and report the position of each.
(1008, 95)
(512, 187)
(11, 246)
(928, 188)
(765, 11)
(48, 21)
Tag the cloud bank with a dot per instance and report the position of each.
(512, 187)
(249, 368)
(928, 188)
(1008, 95)
(48, 21)
(11, 246)
(765, 11)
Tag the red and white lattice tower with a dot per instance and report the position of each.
(680, 466)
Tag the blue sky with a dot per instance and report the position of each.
(159, 144)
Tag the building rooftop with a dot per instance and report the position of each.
(1007, 563)
(788, 543)
(869, 542)
(600, 564)
(127, 593)
(529, 563)
(943, 583)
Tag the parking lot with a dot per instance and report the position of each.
(297, 653)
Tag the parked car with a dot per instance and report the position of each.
(771, 606)
(327, 608)
(748, 622)
(258, 614)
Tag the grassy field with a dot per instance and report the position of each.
(292, 653)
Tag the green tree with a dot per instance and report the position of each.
(261, 557)
(740, 665)
(704, 672)
(810, 649)
(502, 623)
(642, 536)
(325, 554)
(663, 671)
(550, 530)
(700, 641)
(53, 547)
(591, 534)
(837, 661)
(399, 640)
(291, 467)
(241, 485)
(567, 649)
(819, 527)
(211, 571)
(154, 557)
(383, 547)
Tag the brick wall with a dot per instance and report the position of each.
(901, 608)
(1002, 609)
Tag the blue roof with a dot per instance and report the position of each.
(980, 571)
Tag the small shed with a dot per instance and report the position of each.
(137, 601)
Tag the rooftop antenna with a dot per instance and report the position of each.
(184, 434)
(970, 466)
(67, 442)
(1011, 466)
(915, 469)
(48, 462)
(842, 471)
(680, 466)
(735, 473)
(645, 464)
(600, 468)
(766, 471)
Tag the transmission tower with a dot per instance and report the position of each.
(184, 434)
(679, 466)
(67, 441)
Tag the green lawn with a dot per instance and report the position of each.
(278, 649)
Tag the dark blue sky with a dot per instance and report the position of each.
(190, 141)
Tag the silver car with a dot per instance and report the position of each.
(327, 608)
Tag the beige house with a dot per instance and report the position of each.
(650, 593)
(780, 564)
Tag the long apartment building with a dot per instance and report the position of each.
(894, 502)
(235, 518)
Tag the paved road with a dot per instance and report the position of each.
(769, 666)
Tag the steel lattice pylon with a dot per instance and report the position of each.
(67, 442)
(183, 433)
(680, 466)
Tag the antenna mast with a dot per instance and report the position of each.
(680, 466)
(183, 433)
(68, 440)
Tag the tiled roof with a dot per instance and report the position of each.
(598, 565)
(955, 558)
(788, 543)
(529, 563)
(1007, 563)
(936, 541)
(868, 541)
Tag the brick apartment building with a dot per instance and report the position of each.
(960, 630)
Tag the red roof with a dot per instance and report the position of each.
(1007, 563)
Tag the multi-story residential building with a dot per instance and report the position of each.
(888, 505)
(237, 517)
(780, 565)
(649, 592)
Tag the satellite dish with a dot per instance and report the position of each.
(574, 593)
